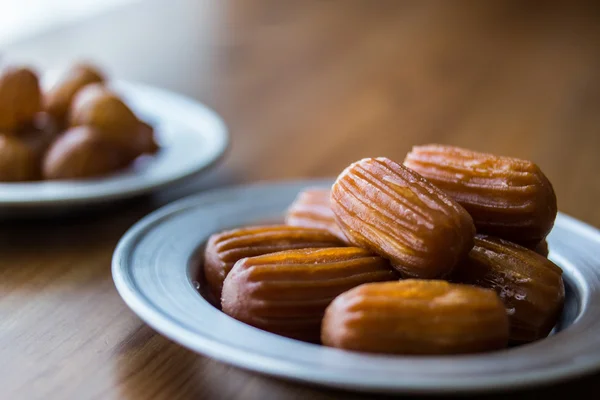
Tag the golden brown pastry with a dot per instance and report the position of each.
(224, 249)
(82, 152)
(39, 134)
(540, 247)
(529, 284)
(287, 292)
(144, 141)
(387, 208)
(98, 107)
(507, 197)
(311, 209)
(20, 98)
(416, 317)
(17, 161)
(59, 98)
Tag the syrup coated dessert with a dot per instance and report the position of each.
(224, 249)
(287, 292)
(387, 208)
(507, 197)
(312, 209)
(529, 284)
(416, 317)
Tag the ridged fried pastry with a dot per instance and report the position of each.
(287, 292)
(529, 284)
(224, 249)
(311, 209)
(385, 207)
(507, 197)
(416, 317)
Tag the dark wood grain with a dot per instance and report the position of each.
(306, 87)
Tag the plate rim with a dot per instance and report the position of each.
(220, 137)
(265, 364)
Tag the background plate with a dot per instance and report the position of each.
(155, 264)
(192, 137)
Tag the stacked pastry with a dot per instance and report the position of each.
(78, 129)
(442, 254)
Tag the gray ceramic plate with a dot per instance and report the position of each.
(192, 137)
(155, 264)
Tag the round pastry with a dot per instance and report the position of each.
(18, 161)
(59, 98)
(20, 98)
(82, 152)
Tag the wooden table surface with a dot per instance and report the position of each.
(306, 87)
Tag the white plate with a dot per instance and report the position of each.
(155, 262)
(192, 137)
